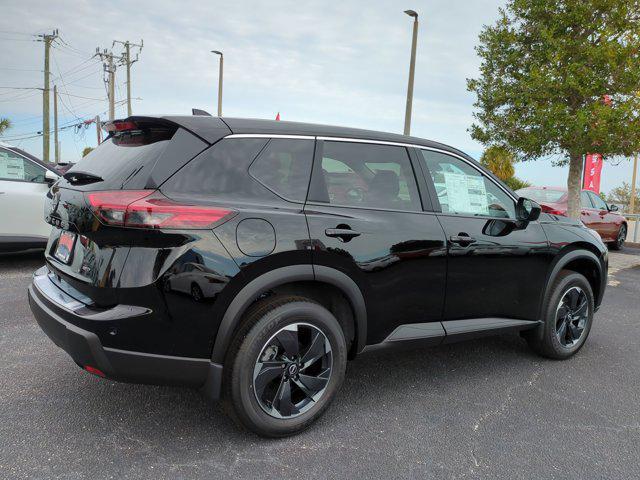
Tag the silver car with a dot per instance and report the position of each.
(24, 182)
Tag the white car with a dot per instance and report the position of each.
(24, 182)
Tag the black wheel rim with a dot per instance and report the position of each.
(572, 315)
(622, 235)
(292, 371)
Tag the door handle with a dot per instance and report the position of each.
(462, 240)
(344, 234)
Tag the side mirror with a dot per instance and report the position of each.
(527, 210)
(50, 177)
(613, 207)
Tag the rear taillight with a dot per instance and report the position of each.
(120, 126)
(151, 209)
(552, 211)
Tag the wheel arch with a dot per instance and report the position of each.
(582, 260)
(287, 278)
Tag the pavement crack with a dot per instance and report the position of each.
(504, 405)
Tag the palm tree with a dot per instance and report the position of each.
(499, 160)
(5, 124)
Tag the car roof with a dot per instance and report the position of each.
(208, 128)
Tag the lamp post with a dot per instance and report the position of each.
(219, 81)
(412, 69)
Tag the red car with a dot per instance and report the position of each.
(595, 214)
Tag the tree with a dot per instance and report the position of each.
(5, 124)
(622, 195)
(559, 77)
(499, 160)
(86, 151)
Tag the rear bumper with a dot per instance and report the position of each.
(57, 313)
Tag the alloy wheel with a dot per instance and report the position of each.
(572, 315)
(622, 235)
(292, 371)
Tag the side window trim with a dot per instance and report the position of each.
(432, 188)
(425, 189)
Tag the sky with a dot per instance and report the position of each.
(340, 63)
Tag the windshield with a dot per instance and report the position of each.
(544, 195)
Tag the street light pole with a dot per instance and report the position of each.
(219, 81)
(412, 70)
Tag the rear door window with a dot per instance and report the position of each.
(368, 175)
(284, 167)
(597, 201)
(585, 201)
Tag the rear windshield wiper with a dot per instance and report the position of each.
(81, 178)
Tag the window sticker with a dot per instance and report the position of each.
(466, 193)
(11, 168)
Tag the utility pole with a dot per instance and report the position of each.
(632, 202)
(56, 145)
(126, 60)
(47, 39)
(98, 129)
(217, 52)
(412, 70)
(110, 69)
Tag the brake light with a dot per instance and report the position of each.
(552, 211)
(120, 126)
(150, 209)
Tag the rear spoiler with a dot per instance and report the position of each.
(207, 128)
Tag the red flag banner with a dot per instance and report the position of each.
(278, 116)
(592, 171)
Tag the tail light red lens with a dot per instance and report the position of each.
(150, 209)
(552, 211)
(119, 126)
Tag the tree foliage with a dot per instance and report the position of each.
(86, 151)
(499, 160)
(5, 124)
(622, 195)
(546, 67)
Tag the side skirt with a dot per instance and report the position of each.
(436, 333)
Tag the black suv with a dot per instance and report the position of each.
(252, 258)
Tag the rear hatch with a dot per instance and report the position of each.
(108, 203)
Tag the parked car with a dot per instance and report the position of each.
(24, 182)
(306, 274)
(595, 213)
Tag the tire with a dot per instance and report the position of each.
(548, 340)
(620, 239)
(258, 344)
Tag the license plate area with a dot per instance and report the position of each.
(64, 250)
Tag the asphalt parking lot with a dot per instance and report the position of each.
(481, 409)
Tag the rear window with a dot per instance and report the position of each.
(133, 161)
(118, 158)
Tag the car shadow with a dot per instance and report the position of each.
(21, 260)
(149, 415)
